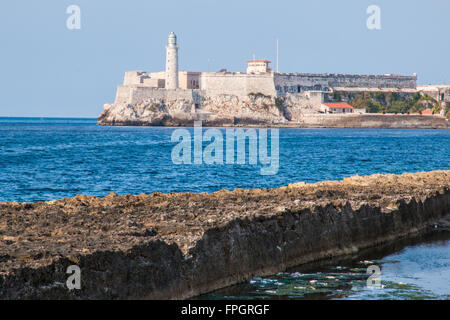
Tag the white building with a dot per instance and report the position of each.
(339, 107)
(258, 66)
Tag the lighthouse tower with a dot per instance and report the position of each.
(172, 62)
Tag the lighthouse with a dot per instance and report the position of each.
(172, 62)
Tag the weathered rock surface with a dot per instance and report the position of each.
(179, 245)
(219, 110)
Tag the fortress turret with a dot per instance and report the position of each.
(172, 62)
(258, 66)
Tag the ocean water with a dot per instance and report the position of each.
(414, 269)
(47, 159)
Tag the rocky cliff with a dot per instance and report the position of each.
(218, 110)
(254, 109)
(180, 245)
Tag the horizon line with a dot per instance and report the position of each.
(47, 117)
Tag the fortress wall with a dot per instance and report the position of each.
(172, 95)
(261, 84)
(133, 94)
(123, 94)
(133, 77)
(158, 75)
(296, 83)
(239, 84)
(305, 82)
(137, 94)
(223, 83)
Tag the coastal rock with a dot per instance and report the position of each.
(215, 110)
(255, 109)
(180, 245)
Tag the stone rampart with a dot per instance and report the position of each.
(299, 82)
(270, 84)
(236, 83)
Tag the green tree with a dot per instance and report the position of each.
(436, 109)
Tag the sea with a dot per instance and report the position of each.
(51, 158)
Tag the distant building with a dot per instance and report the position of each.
(258, 66)
(427, 112)
(339, 107)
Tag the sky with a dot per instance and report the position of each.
(49, 70)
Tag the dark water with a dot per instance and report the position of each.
(47, 159)
(411, 269)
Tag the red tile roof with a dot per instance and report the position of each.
(338, 105)
(259, 61)
(427, 111)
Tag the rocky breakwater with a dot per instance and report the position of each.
(180, 245)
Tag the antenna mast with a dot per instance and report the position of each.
(277, 55)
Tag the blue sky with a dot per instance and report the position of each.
(49, 70)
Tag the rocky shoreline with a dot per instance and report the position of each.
(256, 110)
(179, 245)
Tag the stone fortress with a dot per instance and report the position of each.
(174, 97)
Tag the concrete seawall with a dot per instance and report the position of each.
(369, 120)
(180, 245)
